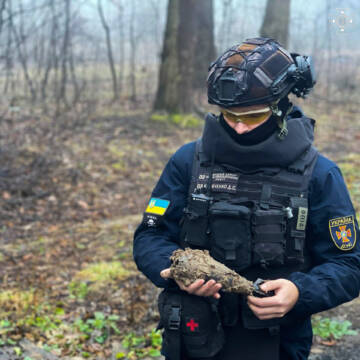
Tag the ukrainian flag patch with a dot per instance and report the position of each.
(157, 206)
(343, 233)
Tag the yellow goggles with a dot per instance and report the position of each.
(248, 119)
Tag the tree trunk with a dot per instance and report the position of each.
(65, 51)
(109, 50)
(276, 21)
(74, 80)
(188, 49)
(9, 61)
(2, 9)
(21, 48)
(132, 53)
(204, 42)
(169, 75)
(53, 60)
(121, 48)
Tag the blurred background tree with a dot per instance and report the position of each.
(60, 55)
(96, 96)
(276, 21)
(188, 47)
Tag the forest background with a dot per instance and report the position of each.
(96, 96)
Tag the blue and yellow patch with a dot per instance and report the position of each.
(342, 231)
(157, 206)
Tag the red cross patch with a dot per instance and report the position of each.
(192, 325)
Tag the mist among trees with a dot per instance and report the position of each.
(64, 53)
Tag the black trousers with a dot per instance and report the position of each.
(244, 344)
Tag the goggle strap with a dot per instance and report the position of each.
(283, 124)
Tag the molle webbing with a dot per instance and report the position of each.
(276, 199)
(280, 184)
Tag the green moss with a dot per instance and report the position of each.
(18, 299)
(350, 169)
(159, 117)
(78, 289)
(182, 120)
(114, 150)
(185, 120)
(119, 166)
(103, 273)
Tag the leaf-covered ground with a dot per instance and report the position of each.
(72, 192)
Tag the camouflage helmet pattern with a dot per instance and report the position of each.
(257, 71)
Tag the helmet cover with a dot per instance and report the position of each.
(258, 71)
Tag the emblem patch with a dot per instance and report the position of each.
(154, 212)
(151, 220)
(192, 324)
(342, 231)
(157, 206)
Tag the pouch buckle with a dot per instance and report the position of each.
(174, 319)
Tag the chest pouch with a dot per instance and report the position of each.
(230, 234)
(296, 230)
(191, 321)
(195, 221)
(269, 237)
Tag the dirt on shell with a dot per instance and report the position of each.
(189, 265)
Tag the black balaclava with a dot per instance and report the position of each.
(260, 133)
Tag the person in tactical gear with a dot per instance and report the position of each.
(255, 192)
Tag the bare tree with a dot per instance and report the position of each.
(132, 53)
(9, 58)
(20, 42)
(329, 51)
(65, 52)
(225, 28)
(109, 49)
(180, 50)
(121, 46)
(276, 21)
(169, 76)
(203, 12)
(2, 10)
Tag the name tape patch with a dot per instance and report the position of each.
(342, 231)
(221, 182)
(302, 218)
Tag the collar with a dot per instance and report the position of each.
(272, 152)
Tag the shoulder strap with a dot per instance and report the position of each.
(195, 166)
(173, 326)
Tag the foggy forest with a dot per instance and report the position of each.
(96, 97)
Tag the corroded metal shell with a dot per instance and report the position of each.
(189, 265)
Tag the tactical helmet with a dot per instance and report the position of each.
(258, 71)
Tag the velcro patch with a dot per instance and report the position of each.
(152, 220)
(342, 231)
(192, 325)
(221, 182)
(157, 206)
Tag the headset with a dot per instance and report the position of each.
(304, 75)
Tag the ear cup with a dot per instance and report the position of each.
(305, 75)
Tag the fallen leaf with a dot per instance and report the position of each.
(331, 342)
(83, 205)
(6, 195)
